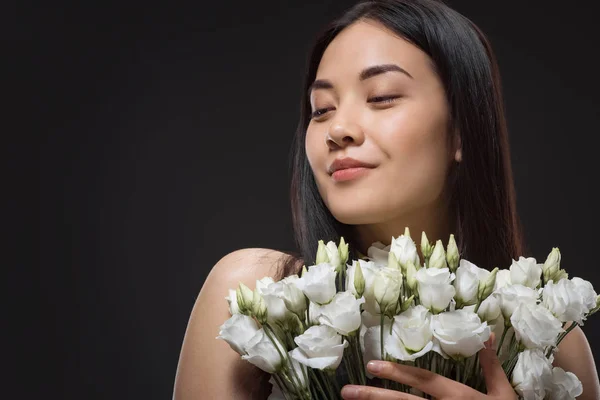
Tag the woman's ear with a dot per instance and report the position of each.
(458, 147)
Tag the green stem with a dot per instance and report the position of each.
(360, 361)
(282, 386)
(315, 378)
(506, 328)
(283, 360)
(332, 379)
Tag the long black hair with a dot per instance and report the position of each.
(481, 188)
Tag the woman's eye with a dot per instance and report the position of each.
(382, 99)
(319, 112)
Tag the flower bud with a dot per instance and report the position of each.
(259, 307)
(333, 255)
(244, 299)
(359, 281)
(595, 309)
(438, 257)
(426, 248)
(304, 270)
(407, 232)
(411, 276)
(452, 255)
(406, 304)
(321, 253)
(393, 262)
(487, 287)
(386, 286)
(551, 265)
(558, 275)
(343, 251)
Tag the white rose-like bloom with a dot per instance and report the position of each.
(333, 254)
(232, 301)
(411, 334)
(468, 276)
(379, 253)
(369, 269)
(405, 250)
(565, 385)
(320, 347)
(535, 326)
(460, 333)
(512, 295)
(342, 313)
(435, 288)
(273, 294)
(237, 331)
(489, 309)
(526, 272)
(564, 300)
(318, 283)
(502, 279)
(386, 289)
(532, 376)
(587, 292)
(263, 353)
(314, 312)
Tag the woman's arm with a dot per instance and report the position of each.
(208, 368)
(574, 355)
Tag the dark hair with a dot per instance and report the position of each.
(481, 188)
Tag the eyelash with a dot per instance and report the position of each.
(376, 99)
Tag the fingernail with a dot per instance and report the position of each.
(374, 366)
(349, 392)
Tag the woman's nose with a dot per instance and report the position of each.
(343, 132)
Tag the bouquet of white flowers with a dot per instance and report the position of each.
(315, 332)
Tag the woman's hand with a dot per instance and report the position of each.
(436, 385)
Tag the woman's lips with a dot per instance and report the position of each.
(342, 175)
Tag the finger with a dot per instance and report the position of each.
(356, 392)
(495, 379)
(418, 378)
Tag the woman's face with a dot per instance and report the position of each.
(403, 133)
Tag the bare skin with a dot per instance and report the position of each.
(405, 136)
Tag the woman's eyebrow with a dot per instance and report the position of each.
(366, 73)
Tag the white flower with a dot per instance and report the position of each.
(263, 283)
(318, 283)
(460, 333)
(565, 385)
(502, 279)
(438, 257)
(411, 334)
(526, 272)
(535, 326)
(294, 298)
(468, 276)
(369, 270)
(314, 312)
(435, 288)
(386, 288)
(532, 376)
(232, 301)
(587, 292)
(512, 295)
(273, 294)
(320, 347)
(379, 253)
(489, 309)
(263, 353)
(342, 313)
(237, 331)
(405, 250)
(372, 344)
(333, 255)
(564, 299)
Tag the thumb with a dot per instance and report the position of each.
(496, 380)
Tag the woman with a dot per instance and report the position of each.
(410, 90)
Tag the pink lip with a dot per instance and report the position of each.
(347, 163)
(347, 174)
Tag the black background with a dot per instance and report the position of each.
(164, 136)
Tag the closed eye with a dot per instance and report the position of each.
(376, 99)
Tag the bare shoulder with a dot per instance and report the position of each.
(575, 355)
(207, 367)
